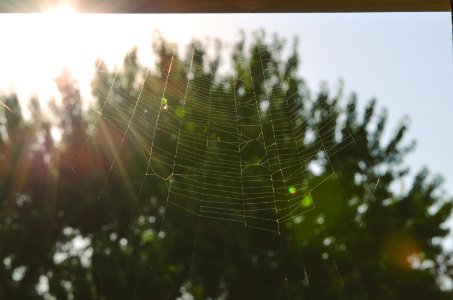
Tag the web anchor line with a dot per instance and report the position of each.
(123, 137)
(170, 177)
(204, 173)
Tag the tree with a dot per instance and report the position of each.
(83, 216)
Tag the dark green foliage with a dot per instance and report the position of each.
(93, 213)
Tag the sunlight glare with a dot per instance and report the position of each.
(63, 9)
(38, 46)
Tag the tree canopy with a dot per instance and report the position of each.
(81, 219)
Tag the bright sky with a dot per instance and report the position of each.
(404, 60)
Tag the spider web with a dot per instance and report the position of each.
(231, 150)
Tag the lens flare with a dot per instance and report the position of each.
(292, 189)
(400, 249)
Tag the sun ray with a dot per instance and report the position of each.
(7, 107)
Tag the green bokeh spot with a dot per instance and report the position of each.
(148, 236)
(164, 101)
(191, 127)
(307, 201)
(180, 112)
(292, 189)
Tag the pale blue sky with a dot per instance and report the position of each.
(402, 59)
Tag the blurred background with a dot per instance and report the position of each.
(98, 200)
